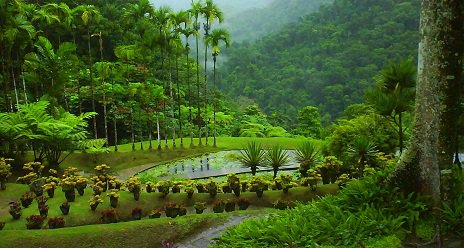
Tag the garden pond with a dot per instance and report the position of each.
(204, 166)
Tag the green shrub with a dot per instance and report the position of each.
(385, 242)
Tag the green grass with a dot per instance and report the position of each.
(80, 213)
(134, 234)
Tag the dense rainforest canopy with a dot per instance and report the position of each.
(327, 59)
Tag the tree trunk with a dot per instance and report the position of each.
(206, 83)
(158, 131)
(132, 128)
(214, 102)
(438, 87)
(92, 90)
(24, 88)
(198, 95)
(172, 105)
(105, 118)
(400, 131)
(115, 133)
(181, 135)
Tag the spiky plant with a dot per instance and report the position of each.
(307, 154)
(253, 155)
(362, 150)
(277, 157)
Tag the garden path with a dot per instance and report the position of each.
(205, 238)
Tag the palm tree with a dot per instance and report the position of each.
(277, 157)
(89, 13)
(213, 40)
(253, 155)
(104, 70)
(187, 32)
(162, 21)
(195, 11)
(178, 19)
(210, 12)
(307, 154)
(395, 94)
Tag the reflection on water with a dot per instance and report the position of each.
(219, 162)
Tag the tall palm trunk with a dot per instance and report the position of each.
(79, 101)
(172, 104)
(105, 117)
(181, 135)
(150, 127)
(24, 87)
(190, 99)
(206, 82)
(115, 132)
(164, 102)
(198, 91)
(92, 87)
(132, 127)
(14, 85)
(214, 101)
(158, 131)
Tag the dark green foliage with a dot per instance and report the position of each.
(309, 122)
(365, 212)
(326, 59)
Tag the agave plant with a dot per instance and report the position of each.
(362, 150)
(277, 157)
(253, 155)
(307, 154)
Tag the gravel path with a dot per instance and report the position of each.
(204, 239)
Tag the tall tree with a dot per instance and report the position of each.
(88, 15)
(195, 11)
(210, 12)
(187, 32)
(394, 94)
(437, 97)
(213, 40)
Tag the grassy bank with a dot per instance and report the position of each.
(144, 233)
(80, 213)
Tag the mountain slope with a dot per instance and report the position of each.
(327, 58)
(256, 22)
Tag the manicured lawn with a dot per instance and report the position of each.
(80, 213)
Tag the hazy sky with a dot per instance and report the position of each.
(230, 7)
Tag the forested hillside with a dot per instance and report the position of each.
(257, 22)
(327, 59)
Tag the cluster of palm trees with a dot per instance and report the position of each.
(153, 79)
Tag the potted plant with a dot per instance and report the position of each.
(137, 213)
(15, 210)
(230, 205)
(43, 210)
(313, 178)
(212, 187)
(114, 197)
(109, 216)
(155, 214)
(94, 201)
(67, 184)
(64, 207)
(26, 199)
(171, 209)
(200, 187)
(182, 210)
(54, 223)
(150, 187)
(2, 225)
(258, 185)
(34, 222)
(307, 154)
(97, 188)
(134, 186)
(342, 180)
(81, 184)
(199, 207)
(176, 188)
(244, 185)
(282, 204)
(163, 187)
(189, 189)
(5, 172)
(243, 203)
(50, 189)
(226, 188)
(116, 184)
(234, 183)
(218, 206)
(328, 169)
(41, 200)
